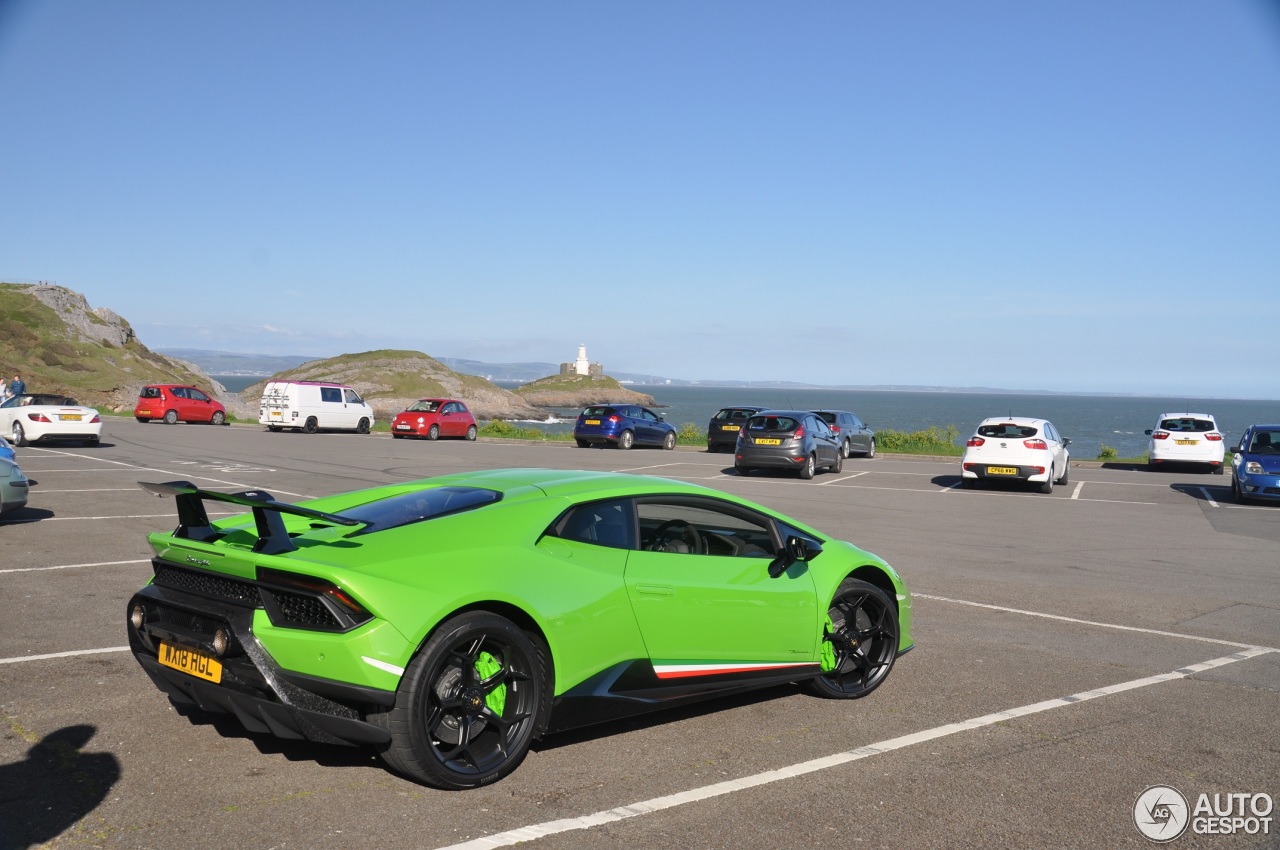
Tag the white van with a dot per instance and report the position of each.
(312, 406)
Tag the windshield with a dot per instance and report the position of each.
(1265, 443)
(427, 405)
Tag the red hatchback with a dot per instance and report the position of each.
(434, 418)
(178, 403)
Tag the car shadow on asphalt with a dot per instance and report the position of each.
(26, 515)
(327, 755)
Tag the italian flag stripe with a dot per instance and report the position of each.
(674, 670)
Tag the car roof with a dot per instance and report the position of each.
(577, 484)
(781, 412)
(830, 410)
(1185, 415)
(1012, 420)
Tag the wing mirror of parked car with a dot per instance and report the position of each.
(1147, 432)
(795, 549)
(1065, 441)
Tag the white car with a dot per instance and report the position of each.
(1014, 448)
(1186, 438)
(39, 417)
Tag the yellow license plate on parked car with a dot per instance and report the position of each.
(70, 417)
(591, 422)
(767, 442)
(275, 414)
(191, 661)
(730, 427)
(1002, 470)
(144, 412)
(1186, 442)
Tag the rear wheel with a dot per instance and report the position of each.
(362, 427)
(669, 441)
(1217, 470)
(275, 429)
(860, 642)
(1046, 486)
(218, 418)
(471, 432)
(19, 437)
(311, 425)
(142, 419)
(469, 704)
(626, 440)
(810, 466)
(583, 444)
(744, 471)
(170, 417)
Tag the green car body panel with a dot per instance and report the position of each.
(598, 608)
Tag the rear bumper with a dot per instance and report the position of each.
(1021, 473)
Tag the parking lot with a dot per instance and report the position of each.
(1073, 649)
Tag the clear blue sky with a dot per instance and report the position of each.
(1026, 195)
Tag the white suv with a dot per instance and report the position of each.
(1186, 438)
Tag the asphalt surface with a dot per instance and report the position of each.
(1073, 649)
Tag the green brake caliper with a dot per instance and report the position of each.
(828, 650)
(486, 666)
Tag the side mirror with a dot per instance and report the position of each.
(1147, 432)
(1065, 441)
(795, 549)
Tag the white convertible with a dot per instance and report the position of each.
(39, 417)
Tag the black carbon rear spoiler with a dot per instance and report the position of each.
(273, 538)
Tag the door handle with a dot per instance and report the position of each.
(655, 590)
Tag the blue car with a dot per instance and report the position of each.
(622, 425)
(1255, 469)
(7, 451)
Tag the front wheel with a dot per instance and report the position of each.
(433, 433)
(839, 464)
(218, 418)
(469, 705)
(669, 441)
(362, 427)
(1066, 474)
(626, 440)
(860, 641)
(871, 452)
(471, 432)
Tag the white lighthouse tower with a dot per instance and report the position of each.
(582, 366)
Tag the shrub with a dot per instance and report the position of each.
(1105, 452)
(932, 440)
(689, 434)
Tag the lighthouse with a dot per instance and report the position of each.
(582, 366)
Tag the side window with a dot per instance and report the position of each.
(599, 523)
(331, 395)
(695, 526)
(196, 395)
(351, 396)
(178, 392)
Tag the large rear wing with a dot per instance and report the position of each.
(273, 538)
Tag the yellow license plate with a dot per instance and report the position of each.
(275, 414)
(730, 427)
(768, 442)
(1002, 470)
(191, 661)
(1186, 442)
(591, 422)
(144, 412)
(70, 417)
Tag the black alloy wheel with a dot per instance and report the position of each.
(862, 639)
(469, 705)
(362, 427)
(311, 425)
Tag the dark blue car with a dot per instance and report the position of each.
(623, 425)
(1255, 469)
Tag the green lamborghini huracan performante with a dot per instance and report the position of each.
(450, 622)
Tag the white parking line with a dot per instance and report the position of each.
(842, 478)
(74, 566)
(1075, 494)
(671, 801)
(1208, 498)
(71, 654)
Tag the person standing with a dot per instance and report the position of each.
(4, 390)
(17, 387)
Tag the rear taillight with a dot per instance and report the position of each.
(37, 417)
(96, 418)
(974, 442)
(1213, 437)
(835, 429)
(615, 419)
(799, 432)
(1035, 444)
(1159, 435)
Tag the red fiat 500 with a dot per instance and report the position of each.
(434, 418)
